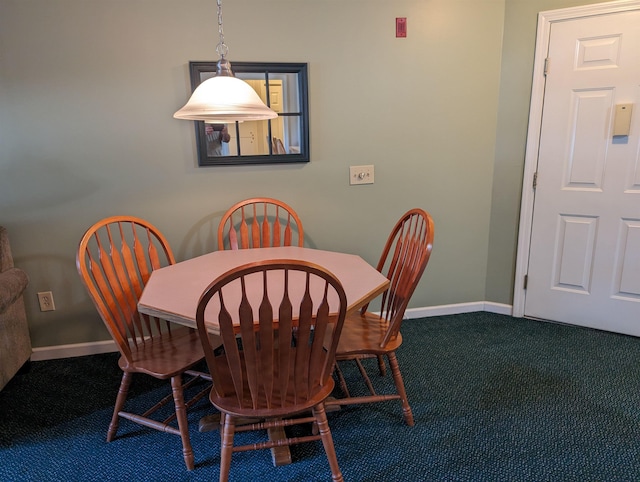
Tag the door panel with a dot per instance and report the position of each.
(574, 253)
(627, 273)
(586, 157)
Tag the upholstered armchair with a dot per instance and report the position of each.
(15, 343)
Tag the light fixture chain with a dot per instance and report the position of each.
(221, 48)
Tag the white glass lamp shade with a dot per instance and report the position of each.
(225, 99)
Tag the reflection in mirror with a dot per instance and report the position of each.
(281, 86)
(217, 139)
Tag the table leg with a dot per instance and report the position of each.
(279, 455)
(209, 423)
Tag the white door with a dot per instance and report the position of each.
(254, 139)
(584, 254)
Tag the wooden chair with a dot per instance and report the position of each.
(366, 334)
(259, 223)
(115, 259)
(272, 365)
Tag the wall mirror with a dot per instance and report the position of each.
(283, 87)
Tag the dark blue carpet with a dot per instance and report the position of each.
(494, 398)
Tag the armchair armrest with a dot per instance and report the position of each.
(12, 284)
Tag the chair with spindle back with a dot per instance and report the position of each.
(115, 259)
(272, 365)
(365, 334)
(260, 223)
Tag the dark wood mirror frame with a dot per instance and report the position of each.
(247, 145)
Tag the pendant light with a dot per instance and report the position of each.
(224, 98)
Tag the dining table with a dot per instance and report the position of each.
(172, 293)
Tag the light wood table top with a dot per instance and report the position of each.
(172, 293)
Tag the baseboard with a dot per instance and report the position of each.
(107, 346)
(442, 310)
(69, 351)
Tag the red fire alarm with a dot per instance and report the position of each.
(401, 27)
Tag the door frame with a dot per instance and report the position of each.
(545, 20)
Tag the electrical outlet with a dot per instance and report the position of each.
(361, 174)
(45, 298)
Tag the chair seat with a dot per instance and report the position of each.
(166, 356)
(363, 334)
(230, 404)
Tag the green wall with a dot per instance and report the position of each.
(88, 89)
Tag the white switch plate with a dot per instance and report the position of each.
(361, 174)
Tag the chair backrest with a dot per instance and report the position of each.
(279, 339)
(259, 223)
(115, 259)
(403, 260)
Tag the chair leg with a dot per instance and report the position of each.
(120, 399)
(365, 376)
(343, 382)
(327, 441)
(397, 378)
(183, 425)
(226, 446)
(381, 366)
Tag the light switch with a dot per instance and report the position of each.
(361, 174)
